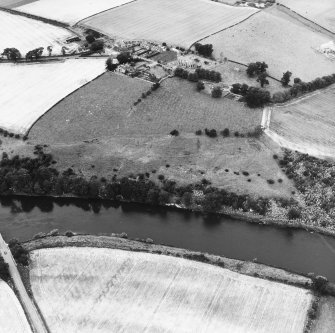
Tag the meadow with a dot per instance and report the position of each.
(308, 124)
(26, 34)
(175, 22)
(12, 316)
(68, 11)
(32, 89)
(320, 12)
(281, 41)
(107, 290)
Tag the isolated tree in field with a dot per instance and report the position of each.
(200, 86)
(217, 92)
(257, 97)
(124, 57)
(262, 79)
(286, 78)
(256, 68)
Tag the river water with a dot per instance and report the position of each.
(296, 250)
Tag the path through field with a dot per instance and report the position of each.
(106, 290)
(32, 89)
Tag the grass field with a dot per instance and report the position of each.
(105, 290)
(12, 317)
(278, 39)
(31, 89)
(175, 22)
(308, 124)
(320, 12)
(105, 108)
(26, 34)
(325, 322)
(69, 11)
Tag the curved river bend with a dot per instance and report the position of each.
(295, 250)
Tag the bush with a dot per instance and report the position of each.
(211, 133)
(200, 86)
(237, 134)
(161, 177)
(4, 270)
(217, 92)
(198, 132)
(245, 173)
(225, 133)
(174, 133)
(270, 181)
(294, 213)
(155, 86)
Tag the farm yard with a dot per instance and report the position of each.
(39, 87)
(12, 316)
(108, 290)
(320, 12)
(161, 22)
(68, 11)
(26, 34)
(308, 124)
(105, 108)
(278, 39)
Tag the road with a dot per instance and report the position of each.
(28, 305)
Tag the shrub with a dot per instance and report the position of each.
(4, 270)
(225, 133)
(174, 133)
(198, 132)
(211, 133)
(144, 95)
(217, 92)
(237, 134)
(200, 86)
(155, 86)
(319, 284)
(161, 177)
(275, 156)
(280, 180)
(270, 181)
(245, 173)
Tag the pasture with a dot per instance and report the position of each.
(26, 34)
(320, 12)
(105, 108)
(325, 322)
(12, 316)
(278, 39)
(69, 11)
(307, 124)
(32, 89)
(107, 290)
(175, 22)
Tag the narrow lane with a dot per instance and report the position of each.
(33, 315)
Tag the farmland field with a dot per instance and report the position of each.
(320, 12)
(69, 11)
(308, 124)
(107, 290)
(278, 39)
(325, 322)
(12, 317)
(31, 89)
(26, 34)
(104, 108)
(172, 21)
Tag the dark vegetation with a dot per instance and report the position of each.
(20, 255)
(199, 74)
(205, 50)
(4, 270)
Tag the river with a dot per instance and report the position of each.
(292, 249)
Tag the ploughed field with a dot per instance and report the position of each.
(26, 34)
(107, 290)
(177, 22)
(280, 40)
(307, 124)
(321, 12)
(68, 11)
(29, 90)
(105, 108)
(12, 317)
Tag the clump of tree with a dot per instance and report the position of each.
(285, 80)
(200, 73)
(4, 270)
(124, 58)
(20, 254)
(262, 79)
(12, 53)
(256, 68)
(257, 97)
(216, 92)
(205, 50)
(174, 132)
(90, 38)
(211, 133)
(35, 54)
(97, 46)
(239, 89)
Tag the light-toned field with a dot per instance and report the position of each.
(26, 34)
(105, 290)
(278, 39)
(69, 11)
(325, 322)
(12, 317)
(104, 108)
(29, 90)
(175, 22)
(308, 124)
(14, 3)
(321, 12)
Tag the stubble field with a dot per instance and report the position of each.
(105, 290)
(26, 34)
(278, 39)
(31, 89)
(308, 124)
(176, 22)
(320, 12)
(12, 316)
